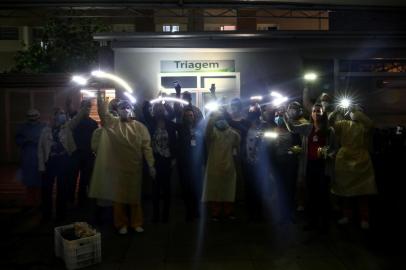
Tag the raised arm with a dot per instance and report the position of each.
(84, 110)
(301, 129)
(307, 103)
(105, 116)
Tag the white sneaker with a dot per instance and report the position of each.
(343, 221)
(364, 225)
(123, 230)
(139, 229)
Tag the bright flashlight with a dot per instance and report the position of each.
(276, 94)
(278, 99)
(212, 106)
(256, 98)
(172, 99)
(271, 135)
(88, 93)
(79, 80)
(105, 75)
(130, 97)
(311, 76)
(345, 103)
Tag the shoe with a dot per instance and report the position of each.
(123, 230)
(139, 229)
(364, 225)
(215, 219)
(300, 208)
(343, 221)
(231, 217)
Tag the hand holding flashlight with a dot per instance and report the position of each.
(178, 88)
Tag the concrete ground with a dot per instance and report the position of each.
(27, 244)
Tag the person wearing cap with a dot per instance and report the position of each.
(284, 161)
(295, 115)
(253, 158)
(83, 158)
(124, 146)
(102, 207)
(163, 133)
(56, 145)
(354, 173)
(27, 139)
(223, 144)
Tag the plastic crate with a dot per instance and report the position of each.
(77, 253)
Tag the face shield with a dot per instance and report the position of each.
(124, 110)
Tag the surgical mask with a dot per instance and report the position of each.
(61, 119)
(221, 124)
(124, 113)
(279, 121)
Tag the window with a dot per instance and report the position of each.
(185, 81)
(373, 65)
(170, 28)
(228, 28)
(9, 33)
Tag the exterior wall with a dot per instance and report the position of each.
(278, 70)
(259, 72)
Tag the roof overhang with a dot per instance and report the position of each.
(274, 40)
(317, 4)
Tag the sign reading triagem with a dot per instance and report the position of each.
(197, 66)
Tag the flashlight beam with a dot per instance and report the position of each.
(276, 94)
(279, 101)
(88, 93)
(130, 97)
(345, 103)
(212, 106)
(170, 99)
(270, 135)
(104, 75)
(257, 98)
(79, 80)
(311, 76)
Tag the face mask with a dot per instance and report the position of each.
(61, 119)
(124, 113)
(221, 124)
(279, 121)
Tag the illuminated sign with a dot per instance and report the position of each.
(197, 66)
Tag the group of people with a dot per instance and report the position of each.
(282, 159)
